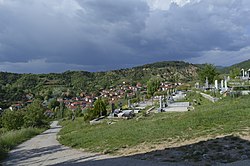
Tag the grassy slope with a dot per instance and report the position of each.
(10, 139)
(225, 117)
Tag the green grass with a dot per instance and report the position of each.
(10, 139)
(224, 117)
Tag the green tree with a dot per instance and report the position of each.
(234, 72)
(53, 104)
(208, 71)
(152, 86)
(34, 115)
(62, 109)
(12, 120)
(89, 114)
(100, 107)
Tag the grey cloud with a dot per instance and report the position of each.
(106, 34)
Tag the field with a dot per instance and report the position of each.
(226, 117)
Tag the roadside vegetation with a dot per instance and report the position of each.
(10, 139)
(228, 116)
(17, 126)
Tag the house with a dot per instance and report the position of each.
(15, 106)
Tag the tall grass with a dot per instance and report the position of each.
(224, 117)
(10, 139)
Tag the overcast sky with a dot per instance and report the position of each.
(41, 36)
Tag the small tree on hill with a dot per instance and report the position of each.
(100, 107)
(234, 72)
(208, 71)
(53, 104)
(152, 87)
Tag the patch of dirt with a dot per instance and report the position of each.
(200, 151)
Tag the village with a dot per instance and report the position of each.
(125, 100)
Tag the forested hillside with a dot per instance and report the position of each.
(15, 87)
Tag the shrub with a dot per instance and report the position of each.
(8, 140)
(90, 114)
(34, 115)
(12, 120)
(100, 108)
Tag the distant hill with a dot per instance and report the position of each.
(241, 65)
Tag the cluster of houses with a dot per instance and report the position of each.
(123, 90)
(113, 94)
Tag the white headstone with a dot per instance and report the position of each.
(206, 85)
(160, 102)
(197, 85)
(243, 72)
(216, 84)
(222, 84)
(226, 85)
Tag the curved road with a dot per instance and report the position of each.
(44, 149)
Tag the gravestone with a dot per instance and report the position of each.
(112, 107)
(129, 104)
(226, 85)
(197, 85)
(206, 84)
(222, 84)
(216, 84)
(160, 100)
(243, 73)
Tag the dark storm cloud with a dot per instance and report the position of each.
(107, 34)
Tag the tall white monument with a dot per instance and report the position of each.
(216, 84)
(160, 102)
(222, 84)
(243, 73)
(206, 84)
(226, 85)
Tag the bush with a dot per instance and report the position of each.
(10, 139)
(12, 120)
(34, 115)
(90, 114)
(100, 108)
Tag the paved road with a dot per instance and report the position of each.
(44, 149)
